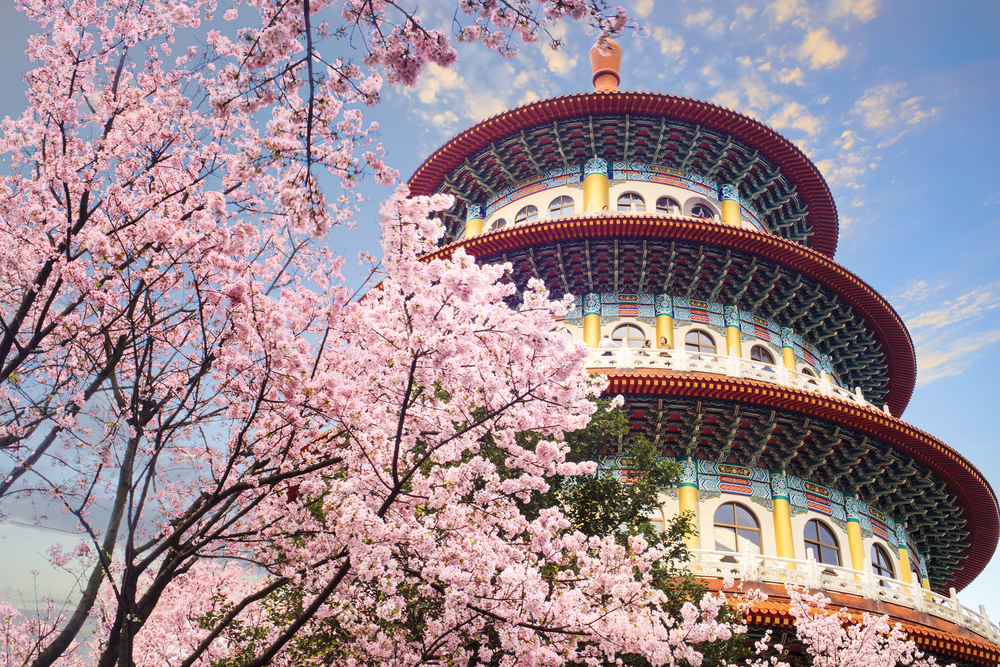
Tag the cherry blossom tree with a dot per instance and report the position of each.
(183, 372)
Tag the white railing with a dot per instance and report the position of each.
(731, 365)
(861, 583)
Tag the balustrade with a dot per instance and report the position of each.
(730, 365)
(809, 573)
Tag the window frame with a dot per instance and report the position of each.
(666, 209)
(561, 209)
(736, 526)
(633, 197)
(818, 545)
(628, 339)
(530, 214)
(766, 352)
(715, 346)
(879, 569)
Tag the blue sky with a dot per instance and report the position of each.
(897, 102)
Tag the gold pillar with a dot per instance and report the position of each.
(665, 329)
(592, 319)
(596, 192)
(731, 315)
(687, 495)
(474, 220)
(783, 543)
(905, 573)
(729, 198)
(663, 307)
(787, 351)
(857, 544)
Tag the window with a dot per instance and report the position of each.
(697, 340)
(655, 518)
(631, 201)
(882, 563)
(628, 335)
(736, 529)
(526, 214)
(561, 206)
(664, 204)
(499, 223)
(761, 354)
(702, 211)
(823, 543)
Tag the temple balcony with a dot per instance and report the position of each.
(842, 581)
(626, 358)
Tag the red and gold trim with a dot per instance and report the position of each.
(975, 496)
(794, 165)
(879, 316)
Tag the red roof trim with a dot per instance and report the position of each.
(975, 496)
(797, 168)
(885, 323)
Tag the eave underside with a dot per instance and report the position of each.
(951, 511)
(659, 142)
(711, 273)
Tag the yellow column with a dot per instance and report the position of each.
(474, 220)
(731, 315)
(787, 351)
(855, 539)
(596, 188)
(729, 198)
(905, 573)
(687, 495)
(592, 319)
(782, 516)
(663, 306)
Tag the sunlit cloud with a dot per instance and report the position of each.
(863, 10)
(820, 50)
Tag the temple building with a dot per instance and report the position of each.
(699, 245)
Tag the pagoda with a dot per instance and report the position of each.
(698, 245)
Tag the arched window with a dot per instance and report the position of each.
(526, 214)
(631, 201)
(561, 206)
(702, 211)
(664, 204)
(697, 340)
(882, 563)
(499, 223)
(736, 529)
(761, 354)
(655, 518)
(823, 543)
(628, 335)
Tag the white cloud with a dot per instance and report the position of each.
(791, 76)
(796, 116)
(703, 17)
(785, 10)
(933, 323)
(669, 42)
(821, 50)
(643, 8)
(863, 10)
(437, 80)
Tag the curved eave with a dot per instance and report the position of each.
(810, 185)
(975, 496)
(878, 315)
(932, 635)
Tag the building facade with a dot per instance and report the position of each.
(698, 246)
